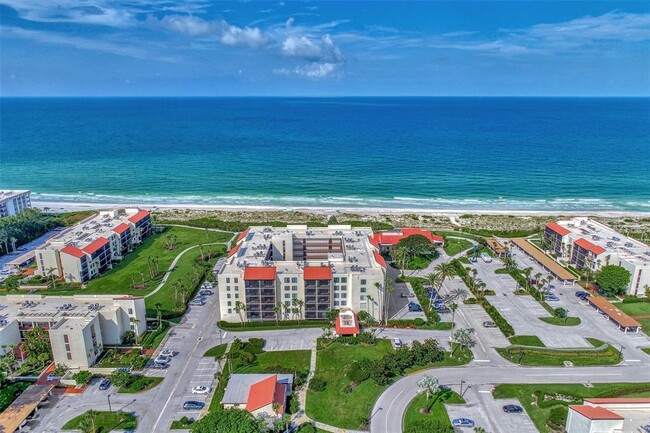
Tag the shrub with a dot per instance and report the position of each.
(254, 345)
(294, 407)
(247, 357)
(317, 384)
(557, 417)
(82, 377)
(419, 321)
(306, 428)
(356, 373)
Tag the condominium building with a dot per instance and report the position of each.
(13, 202)
(336, 267)
(588, 244)
(79, 326)
(90, 247)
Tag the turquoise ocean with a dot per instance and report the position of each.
(550, 154)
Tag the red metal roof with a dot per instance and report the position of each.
(121, 228)
(242, 235)
(73, 251)
(617, 400)
(95, 245)
(373, 241)
(259, 273)
(379, 259)
(584, 243)
(279, 396)
(138, 216)
(347, 330)
(596, 413)
(317, 273)
(558, 228)
(261, 393)
(233, 250)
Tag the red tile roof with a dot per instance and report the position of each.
(617, 400)
(373, 241)
(393, 238)
(584, 243)
(233, 250)
(242, 235)
(317, 273)
(379, 259)
(138, 216)
(261, 393)
(347, 330)
(121, 228)
(95, 245)
(596, 413)
(558, 228)
(259, 273)
(73, 251)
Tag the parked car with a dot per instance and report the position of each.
(201, 390)
(197, 302)
(512, 408)
(397, 343)
(167, 353)
(462, 422)
(551, 297)
(404, 295)
(645, 428)
(443, 309)
(489, 325)
(414, 307)
(162, 360)
(193, 405)
(157, 366)
(105, 384)
(582, 295)
(206, 292)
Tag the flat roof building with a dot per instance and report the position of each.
(79, 326)
(609, 415)
(13, 202)
(588, 244)
(305, 271)
(90, 247)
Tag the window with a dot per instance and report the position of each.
(236, 295)
(287, 295)
(344, 288)
(363, 282)
(294, 279)
(227, 288)
(336, 279)
(236, 280)
(344, 303)
(294, 288)
(336, 303)
(130, 311)
(287, 287)
(69, 355)
(294, 295)
(228, 280)
(363, 297)
(230, 303)
(336, 295)
(363, 290)
(336, 287)
(287, 279)
(344, 279)
(228, 296)
(229, 310)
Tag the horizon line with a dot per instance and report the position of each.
(320, 96)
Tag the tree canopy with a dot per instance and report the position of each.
(417, 245)
(613, 280)
(228, 420)
(24, 227)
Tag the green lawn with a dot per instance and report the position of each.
(635, 309)
(526, 340)
(216, 350)
(152, 339)
(436, 405)
(292, 359)
(556, 357)
(645, 323)
(647, 350)
(539, 399)
(105, 422)
(417, 262)
(557, 321)
(10, 392)
(455, 246)
(333, 406)
(113, 358)
(461, 357)
(141, 384)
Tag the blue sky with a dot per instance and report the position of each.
(337, 48)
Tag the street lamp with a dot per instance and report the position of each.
(461, 387)
(620, 353)
(108, 396)
(220, 337)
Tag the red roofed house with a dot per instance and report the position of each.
(608, 415)
(585, 254)
(262, 395)
(389, 239)
(347, 323)
(557, 237)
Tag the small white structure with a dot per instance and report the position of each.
(262, 395)
(608, 415)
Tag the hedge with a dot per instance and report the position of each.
(423, 298)
(635, 300)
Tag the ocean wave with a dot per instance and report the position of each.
(434, 203)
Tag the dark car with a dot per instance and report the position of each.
(193, 405)
(105, 384)
(489, 325)
(582, 295)
(414, 307)
(206, 292)
(159, 366)
(512, 408)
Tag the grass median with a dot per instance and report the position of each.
(435, 414)
(102, 422)
(454, 246)
(601, 354)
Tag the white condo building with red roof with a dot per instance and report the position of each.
(90, 247)
(586, 243)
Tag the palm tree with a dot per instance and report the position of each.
(13, 241)
(401, 257)
(446, 270)
(527, 273)
(159, 313)
(277, 309)
(463, 338)
(429, 385)
(434, 279)
(239, 308)
(371, 301)
(453, 307)
(389, 289)
(50, 273)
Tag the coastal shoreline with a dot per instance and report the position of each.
(61, 206)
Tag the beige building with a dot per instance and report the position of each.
(79, 326)
(324, 268)
(588, 244)
(89, 248)
(13, 202)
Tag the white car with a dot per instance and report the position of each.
(201, 390)
(397, 343)
(161, 360)
(168, 353)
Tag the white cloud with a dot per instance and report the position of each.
(314, 50)
(233, 35)
(227, 34)
(289, 22)
(317, 70)
(188, 25)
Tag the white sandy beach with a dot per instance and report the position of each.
(76, 206)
